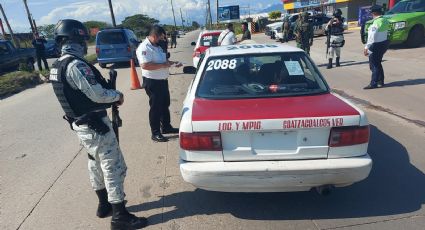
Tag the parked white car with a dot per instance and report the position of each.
(261, 118)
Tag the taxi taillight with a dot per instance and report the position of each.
(97, 50)
(197, 53)
(201, 141)
(346, 136)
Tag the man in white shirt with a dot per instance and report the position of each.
(376, 46)
(154, 64)
(227, 37)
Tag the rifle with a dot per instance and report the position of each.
(116, 120)
(328, 38)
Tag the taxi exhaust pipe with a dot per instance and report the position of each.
(324, 190)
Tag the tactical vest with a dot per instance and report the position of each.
(74, 102)
(304, 30)
(337, 30)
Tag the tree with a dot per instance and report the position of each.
(195, 25)
(47, 30)
(275, 14)
(139, 23)
(96, 24)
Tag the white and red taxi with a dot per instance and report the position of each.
(261, 118)
(206, 39)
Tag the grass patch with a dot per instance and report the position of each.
(91, 58)
(18, 81)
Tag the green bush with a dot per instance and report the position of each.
(91, 58)
(17, 81)
(25, 67)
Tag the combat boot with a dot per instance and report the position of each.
(337, 62)
(329, 64)
(123, 220)
(104, 208)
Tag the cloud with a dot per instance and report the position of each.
(99, 10)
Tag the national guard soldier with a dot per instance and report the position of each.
(84, 96)
(286, 27)
(335, 30)
(304, 32)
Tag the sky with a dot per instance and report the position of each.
(50, 11)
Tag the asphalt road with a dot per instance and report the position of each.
(44, 182)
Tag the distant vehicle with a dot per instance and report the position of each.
(206, 39)
(180, 33)
(319, 24)
(11, 57)
(115, 46)
(261, 118)
(52, 49)
(407, 20)
(271, 29)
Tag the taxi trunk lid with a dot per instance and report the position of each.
(286, 128)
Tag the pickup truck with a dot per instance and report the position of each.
(407, 20)
(11, 57)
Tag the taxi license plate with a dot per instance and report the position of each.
(276, 142)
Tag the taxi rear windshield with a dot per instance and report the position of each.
(209, 40)
(259, 76)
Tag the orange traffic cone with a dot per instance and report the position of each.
(134, 79)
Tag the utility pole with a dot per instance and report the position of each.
(217, 10)
(181, 15)
(35, 25)
(209, 18)
(8, 26)
(112, 13)
(29, 16)
(172, 9)
(2, 30)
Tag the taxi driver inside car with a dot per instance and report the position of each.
(264, 113)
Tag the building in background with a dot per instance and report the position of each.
(350, 8)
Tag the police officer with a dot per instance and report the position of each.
(154, 63)
(173, 38)
(376, 46)
(335, 28)
(40, 51)
(304, 32)
(246, 35)
(286, 27)
(84, 96)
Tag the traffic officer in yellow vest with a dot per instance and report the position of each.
(84, 96)
(376, 46)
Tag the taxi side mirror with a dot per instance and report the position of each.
(193, 44)
(189, 70)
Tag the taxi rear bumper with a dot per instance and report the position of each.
(275, 176)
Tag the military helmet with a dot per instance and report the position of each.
(305, 14)
(70, 30)
(337, 13)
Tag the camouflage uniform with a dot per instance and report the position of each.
(304, 33)
(286, 27)
(106, 165)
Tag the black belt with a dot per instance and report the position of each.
(155, 79)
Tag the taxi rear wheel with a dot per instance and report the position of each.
(416, 37)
